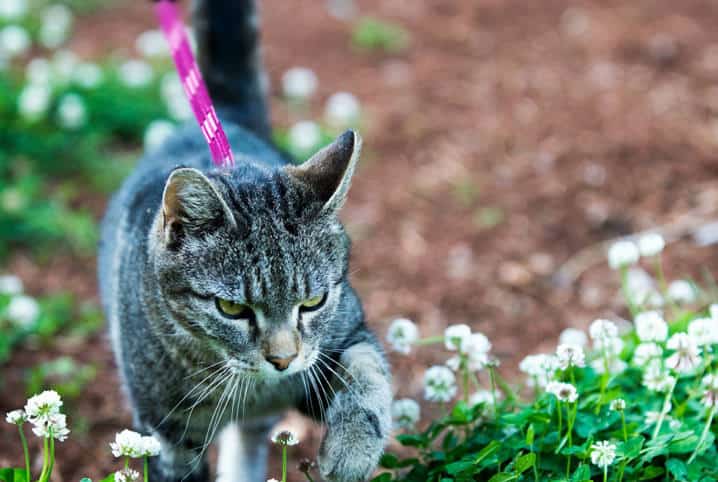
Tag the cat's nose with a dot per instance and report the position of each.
(281, 363)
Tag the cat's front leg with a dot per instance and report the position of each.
(359, 417)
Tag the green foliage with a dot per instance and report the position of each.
(545, 439)
(376, 35)
(57, 313)
(64, 375)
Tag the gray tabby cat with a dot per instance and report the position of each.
(227, 291)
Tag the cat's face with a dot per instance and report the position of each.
(252, 264)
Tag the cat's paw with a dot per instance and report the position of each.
(351, 449)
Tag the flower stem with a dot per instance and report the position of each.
(45, 455)
(707, 427)
(25, 451)
(605, 473)
(465, 377)
(430, 340)
(492, 377)
(604, 380)
(623, 423)
(572, 408)
(284, 463)
(146, 467)
(560, 419)
(662, 416)
(626, 292)
(52, 456)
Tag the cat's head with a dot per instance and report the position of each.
(252, 261)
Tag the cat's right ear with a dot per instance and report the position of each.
(192, 205)
(328, 173)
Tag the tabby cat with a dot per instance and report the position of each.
(227, 290)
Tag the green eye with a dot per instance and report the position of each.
(233, 310)
(313, 303)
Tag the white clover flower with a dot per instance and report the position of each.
(439, 384)
(455, 336)
(88, 75)
(564, 392)
(602, 330)
(64, 63)
(710, 398)
(682, 292)
(651, 244)
(485, 397)
(43, 405)
(127, 444)
(304, 136)
(402, 334)
(652, 416)
(615, 365)
(157, 133)
(151, 447)
(570, 355)
(618, 405)
(33, 101)
(127, 475)
(56, 24)
(13, 9)
(622, 254)
(10, 285)
(704, 331)
(16, 417)
(713, 310)
(14, 40)
(136, 73)
(710, 381)
(475, 350)
(53, 425)
(656, 378)
(299, 83)
(687, 354)
(152, 43)
(646, 352)
(285, 437)
(611, 346)
(174, 97)
(540, 369)
(342, 110)
(573, 336)
(603, 453)
(405, 412)
(22, 310)
(650, 326)
(39, 71)
(71, 112)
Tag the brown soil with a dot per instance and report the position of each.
(509, 136)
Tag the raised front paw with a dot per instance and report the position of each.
(352, 446)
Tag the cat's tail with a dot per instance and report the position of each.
(230, 58)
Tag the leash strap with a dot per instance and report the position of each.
(170, 20)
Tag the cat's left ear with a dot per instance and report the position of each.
(192, 205)
(328, 173)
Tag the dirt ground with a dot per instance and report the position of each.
(507, 138)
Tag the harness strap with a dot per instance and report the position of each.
(170, 20)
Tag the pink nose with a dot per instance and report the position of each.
(281, 363)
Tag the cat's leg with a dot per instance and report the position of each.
(243, 451)
(359, 416)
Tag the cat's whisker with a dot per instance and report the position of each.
(346, 384)
(317, 386)
(202, 370)
(196, 387)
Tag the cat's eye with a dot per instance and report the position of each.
(314, 303)
(233, 310)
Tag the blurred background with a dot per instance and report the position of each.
(505, 141)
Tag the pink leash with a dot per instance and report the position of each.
(171, 22)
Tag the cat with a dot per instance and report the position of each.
(227, 290)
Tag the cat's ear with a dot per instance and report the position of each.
(191, 204)
(328, 173)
